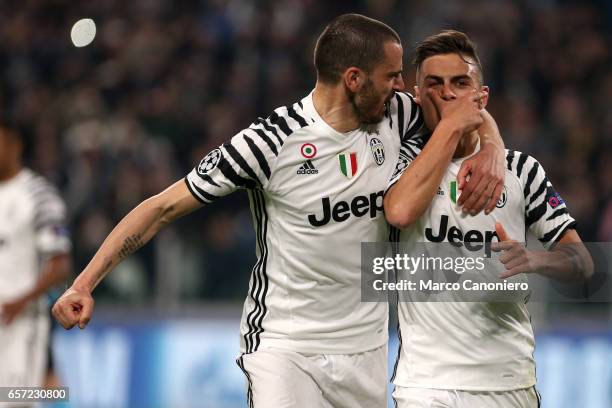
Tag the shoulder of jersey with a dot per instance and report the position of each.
(36, 184)
(520, 164)
(273, 131)
(402, 106)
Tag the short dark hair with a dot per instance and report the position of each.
(447, 42)
(351, 40)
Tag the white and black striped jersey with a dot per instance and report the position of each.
(32, 227)
(477, 345)
(315, 195)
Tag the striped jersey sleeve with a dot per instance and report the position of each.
(247, 160)
(50, 216)
(546, 213)
(409, 117)
(409, 150)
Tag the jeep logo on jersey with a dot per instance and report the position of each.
(342, 210)
(474, 240)
(348, 164)
(378, 150)
(210, 161)
(503, 198)
(308, 150)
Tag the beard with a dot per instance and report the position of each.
(365, 103)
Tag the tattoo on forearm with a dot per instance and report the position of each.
(130, 245)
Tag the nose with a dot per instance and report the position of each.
(446, 93)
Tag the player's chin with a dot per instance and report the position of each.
(380, 115)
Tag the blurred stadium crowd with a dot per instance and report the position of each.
(164, 82)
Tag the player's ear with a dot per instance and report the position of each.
(354, 78)
(485, 98)
(417, 94)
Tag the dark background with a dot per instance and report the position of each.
(164, 82)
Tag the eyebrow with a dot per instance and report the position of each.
(455, 78)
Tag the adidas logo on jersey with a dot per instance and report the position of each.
(307, 168)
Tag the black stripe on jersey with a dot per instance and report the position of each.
(416, 119)
(414, 107)
(49, 209)
(539, 191)
(388, 115)
(400, 115)
(414, 129)
(414, 146)
(300, 105)
(279, 121)
(509, 159)
(270, 129)
(259, 319)
(394, 235)
(255, 288)
(399, 348)
(240, 161)
(260, 279)
(48, 205)
(294, 115)
(261, 159)
(207, 179)
(414, 153)
(521, 163)
(530, 177)
(558, 231)
(535, 214)
(266, 139)
(558, 212)
(240, 363)
(231, 175)
(201, 195)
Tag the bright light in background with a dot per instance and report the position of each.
(83, 32)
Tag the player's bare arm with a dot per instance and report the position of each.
(486, 170)
(75, 306)
(55, 270)
(568, 261)
(407, 200)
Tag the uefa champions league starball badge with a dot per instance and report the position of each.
(209, 162)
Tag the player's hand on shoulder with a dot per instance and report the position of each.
(483, 189)
(74, 307)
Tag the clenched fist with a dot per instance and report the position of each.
(74, 307)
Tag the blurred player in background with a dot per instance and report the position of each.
(34, 257)
(472, 354)
(315, 172)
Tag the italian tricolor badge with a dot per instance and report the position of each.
(348, 164)
(453, 191)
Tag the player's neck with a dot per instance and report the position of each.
(9, 172)
(467, 145)
(332, 104)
